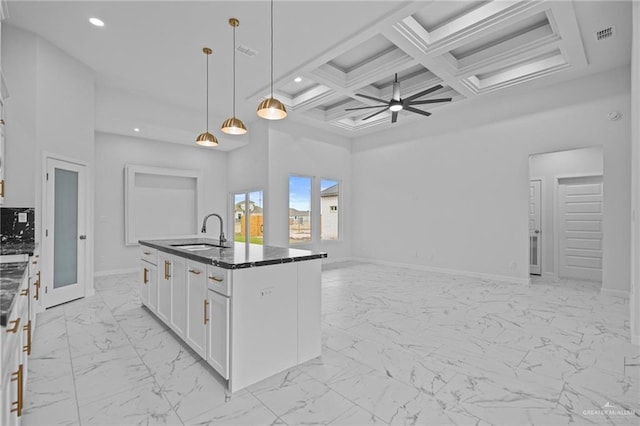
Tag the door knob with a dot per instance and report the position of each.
(83, 237)
(537, 231)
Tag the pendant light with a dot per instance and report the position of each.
(233, 125)
(206, 138)
(272, 109)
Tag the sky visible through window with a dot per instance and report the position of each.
(300, 192)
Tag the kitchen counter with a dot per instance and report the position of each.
(240, 255)
(12, 247)
(11, 275)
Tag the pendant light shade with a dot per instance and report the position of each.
(233, 125)
(272, 109)
(206, 138)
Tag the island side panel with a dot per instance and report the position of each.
(309, 309)
(264, 331)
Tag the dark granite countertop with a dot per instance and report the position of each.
(240, 255)
(11, 275)
(17, 247)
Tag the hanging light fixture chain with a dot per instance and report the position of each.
(207, 97)
(272, 48)
(234, 70)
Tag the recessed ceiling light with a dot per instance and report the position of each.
(297, 79)
(136, 130)
(97, 22)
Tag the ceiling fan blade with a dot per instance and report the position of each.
(375, 113)
(394, 116)
(367, 107)
(429, 101)
(424, 92)
(417, 111)
(372, 98)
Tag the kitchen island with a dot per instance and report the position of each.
(249, 310)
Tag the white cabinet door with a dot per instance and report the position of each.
(178, 320)
(164, 288)
(197, 307)
(218, 333)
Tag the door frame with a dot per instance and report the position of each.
(556, 217)
(47, 260)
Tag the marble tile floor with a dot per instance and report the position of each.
(400, 346)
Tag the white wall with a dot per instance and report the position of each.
(301, 150)
(457, 199)
(635, 182)
(278, 149)
(50, 111)
(113, 152)
(548, 168)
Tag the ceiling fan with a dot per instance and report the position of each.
(397, 104)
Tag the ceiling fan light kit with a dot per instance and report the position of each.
(233, 125)
(397, 104)
(206, 138)
(271, 108)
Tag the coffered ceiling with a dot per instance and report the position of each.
(337, 48)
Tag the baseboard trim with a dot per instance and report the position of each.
(479, 275)
(114, 272)
(614, 292)
(328, 261)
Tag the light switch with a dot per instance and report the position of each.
(22, 217)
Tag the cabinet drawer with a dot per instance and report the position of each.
(218, 279)
(149, 254)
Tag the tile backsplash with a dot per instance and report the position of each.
(17, 224)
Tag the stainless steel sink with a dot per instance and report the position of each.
(196, 247)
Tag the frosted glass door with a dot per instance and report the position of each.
(65, 238)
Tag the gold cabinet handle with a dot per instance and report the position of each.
(195, 271)
(206, 311)
(24, 292)
(14, 328)
(27, 348)
(167, 267)
(2, 188)
(35, 262)
(214, 278)
(145, 276)
(148, 253)
(18, 377)
(37, 285)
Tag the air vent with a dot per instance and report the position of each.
(246, 51)
(605, 33)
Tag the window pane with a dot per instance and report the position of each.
(256, 224)
(329, 209)
(299, 209)
(65, 241)
(239, 222)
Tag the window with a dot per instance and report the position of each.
(329, 201)
(299, 209)
(248, 219)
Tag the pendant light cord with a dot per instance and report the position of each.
(234, 71)
(207, 93)
(272, 48)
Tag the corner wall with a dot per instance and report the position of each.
(457, 200)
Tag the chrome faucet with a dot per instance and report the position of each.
(204, 227)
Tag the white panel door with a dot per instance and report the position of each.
(580, 230)
(535, 243)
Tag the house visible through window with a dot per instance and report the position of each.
(329, 201)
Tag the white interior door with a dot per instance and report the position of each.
(580, 228)
(535, 243)
(65, 231)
